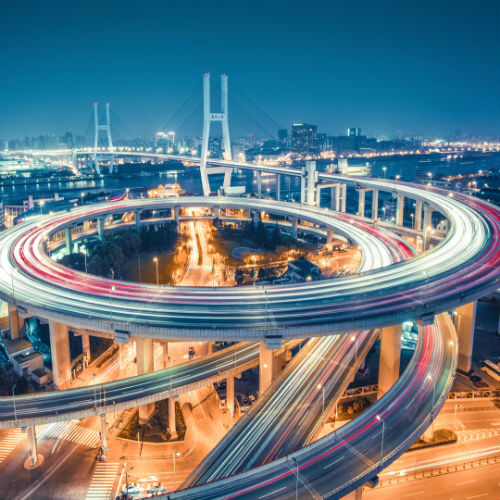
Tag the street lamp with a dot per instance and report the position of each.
(14, 401)
(175, 454)
(155, 260)
(294, 460)
(322, 387)
(385, 170)
(112, 289)
(382, 442)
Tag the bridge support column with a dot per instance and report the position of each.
(361, 202)
(311, 182)
(417, 222)
(400, 206)
(278, 187)
(176, 216)
(59, 351)
(34, 459)
(303, 186)
(145, 364)
(375, 204)
(137, 218)
(390, 353)
(356, 494)
(69, 241)
(100, 228)
(104, 436)
(230, 395)
(465, 318)
(259, 183)
(16, 323)
(122, 354)
(294, 227)
(172, 426)
(329, 237)
(266, 368)
(334, 198)
(343, 197)
(86, 345)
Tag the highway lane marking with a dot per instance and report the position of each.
(477, 496)
(332, 464)
(273, 492)
(414, 493)
(466, 482)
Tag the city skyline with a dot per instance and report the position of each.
(395, 69)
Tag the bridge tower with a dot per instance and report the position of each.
(106, 127)
(209, 117)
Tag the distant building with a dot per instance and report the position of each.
(165, 141)
(303, 270)
(283, 138)
(67, 139)
(353, 131)
(304, 138)
(215, 147)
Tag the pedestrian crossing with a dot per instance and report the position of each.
(103, 480)
(70, 432)
(9, 442)
(472, 435)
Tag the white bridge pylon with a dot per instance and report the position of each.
(106, 127)
(209, 117)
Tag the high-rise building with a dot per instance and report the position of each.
(353, 132)
(304, 138)
(67, 139)
(283, 138)
(215, 147)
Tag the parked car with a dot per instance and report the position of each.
(478, 381)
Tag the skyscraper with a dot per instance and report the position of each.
(353, 132)
(304, 137)
(282, 138)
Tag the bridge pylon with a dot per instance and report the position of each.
(208, 118)
(102, 127)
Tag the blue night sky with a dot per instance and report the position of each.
(390, 67)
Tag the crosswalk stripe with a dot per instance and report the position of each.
(70, 432)
(102, 481)
(9, 442)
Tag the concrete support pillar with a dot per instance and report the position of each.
(86, 225)
(428, 434)
(86, 345)
(329, 237)
(465, 319)
(278, 187)
(343, 197)
(137, 218)
(16, 323)
(59, 351)
(172, 427)
(33, 448)
(390, 353)
(255, 217)
(334, 198)
(259, 183)
(164, 355)
(356, 494)
(122, 354)
(69, 241)
(361, 202)
(427, 226)
(375, 204)
(230, 395)
(266, 361)
(417, 219)
(303, 186)
(311, 182)
(400, 206)
(104, 436)
(100, 228)
(294, 227)
(145, 364)
(176, 216)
